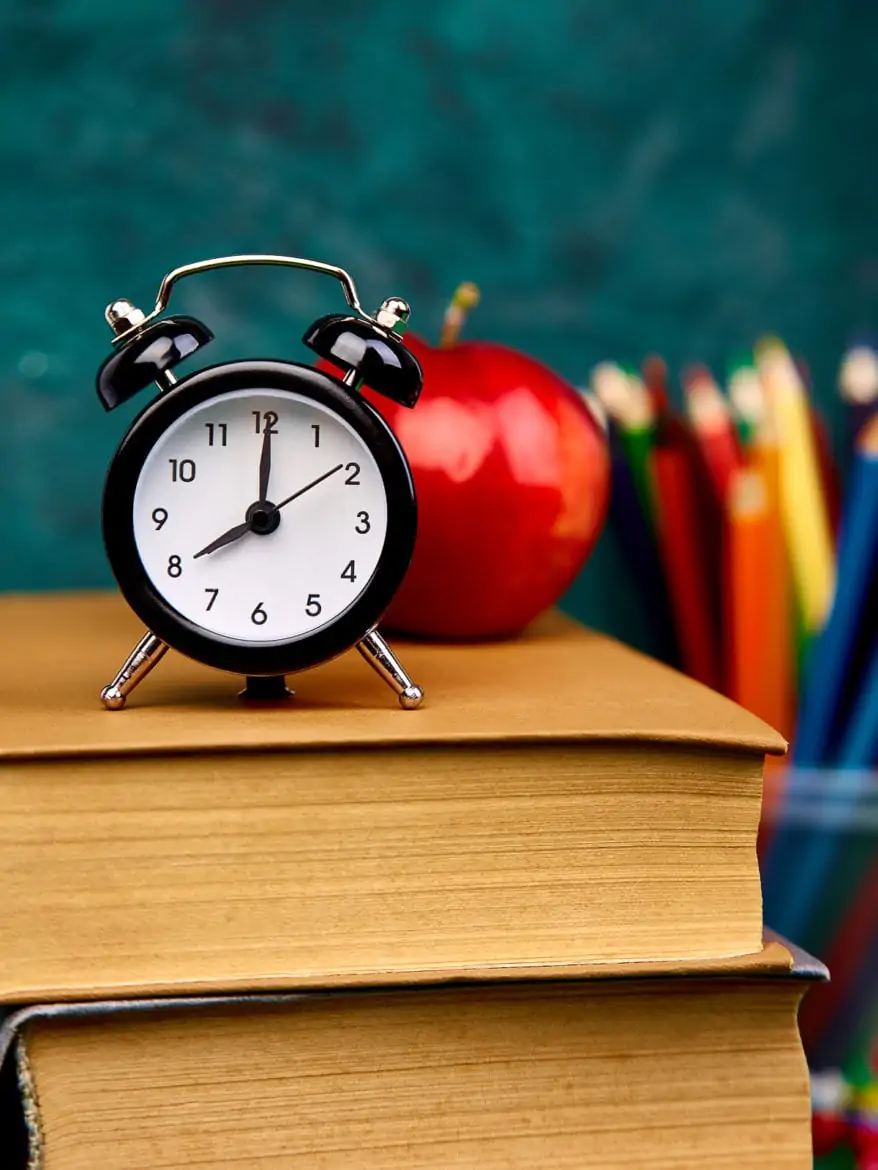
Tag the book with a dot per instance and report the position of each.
(670, 1065)
(559, 800)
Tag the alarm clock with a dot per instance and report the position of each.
(259, 515)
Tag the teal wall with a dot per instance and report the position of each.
(618, 176)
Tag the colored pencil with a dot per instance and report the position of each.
(819, 819)
(830, 480)
(654, 371)
(858, 552)
(747, 397)
(638, 438)
(808, 853)
(858, 387)
(821, 850)
(803, 508)
(747, 546)
(682, 553)
(779, 699)
(843, 801)
(711, 419)
(612, 387)
(635, 538)
(841, 807)
(859, 1003)
(757, 609)
(846, 958)
(626, 399)
(859, 745)
(757, 625)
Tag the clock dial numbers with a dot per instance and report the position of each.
(182, 470)
(313, 608)
(311, 540)
(266, 422)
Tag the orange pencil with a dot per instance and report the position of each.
(759, 606)
(779, 705)
(711, 418)
(683, 557)
(758, 636)
(748, 543)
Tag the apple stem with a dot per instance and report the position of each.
(466, 297)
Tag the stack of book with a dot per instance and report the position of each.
(521, 927)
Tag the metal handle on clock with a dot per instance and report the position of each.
(177, 274)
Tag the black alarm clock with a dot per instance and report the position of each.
(259, 515)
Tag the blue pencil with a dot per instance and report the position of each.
(796, 865)
(858, 548)
(844, 799)
(858, 387)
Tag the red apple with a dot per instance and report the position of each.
(512, 478)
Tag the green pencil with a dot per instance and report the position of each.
(637, 427)
(747, 397)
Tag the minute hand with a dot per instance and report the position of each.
(308, 486)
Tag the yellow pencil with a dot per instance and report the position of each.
(803, 508)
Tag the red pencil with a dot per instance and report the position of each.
(654, 371)
(683, 557)
(711, 418)
(846, 954)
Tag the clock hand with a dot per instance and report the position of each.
(227, 538)
(308, 486)
(240, 530)
(265, 465)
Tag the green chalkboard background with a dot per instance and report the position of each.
(618, 176)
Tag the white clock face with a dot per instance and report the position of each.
(324, 514)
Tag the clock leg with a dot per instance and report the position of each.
(145, 655)
(382, 660)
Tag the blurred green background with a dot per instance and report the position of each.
(619, 178)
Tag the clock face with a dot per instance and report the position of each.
(251, 567)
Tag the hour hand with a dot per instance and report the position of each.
(229, 537)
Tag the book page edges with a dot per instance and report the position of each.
(777, 960)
